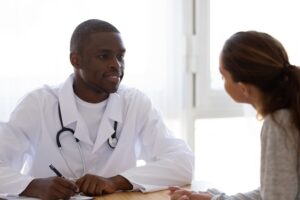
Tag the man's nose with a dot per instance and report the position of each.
(115, 63)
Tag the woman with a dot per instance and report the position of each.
(256, 70)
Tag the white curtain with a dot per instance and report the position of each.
(35, 35)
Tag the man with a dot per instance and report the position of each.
(90, 129)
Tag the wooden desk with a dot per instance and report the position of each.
(159, 195)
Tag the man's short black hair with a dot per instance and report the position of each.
(86, 28)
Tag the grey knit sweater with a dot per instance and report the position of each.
(279, 162)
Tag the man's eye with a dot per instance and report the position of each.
(121, 57)
(102, 56)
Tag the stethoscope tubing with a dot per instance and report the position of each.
(66, 129)
(112, 142)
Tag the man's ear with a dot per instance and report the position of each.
(245, 89)
(75, 60)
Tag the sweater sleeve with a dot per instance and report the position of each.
(279, 177)
(279, 162)
(252, 195)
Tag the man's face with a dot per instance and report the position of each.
(101, 62)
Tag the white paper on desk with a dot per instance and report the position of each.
(80, 196)
(11, 197)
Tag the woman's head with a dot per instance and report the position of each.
(257, 59)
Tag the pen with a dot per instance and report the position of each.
(55, 170)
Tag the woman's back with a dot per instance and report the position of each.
(279, 157)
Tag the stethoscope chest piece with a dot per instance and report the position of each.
(112, 142)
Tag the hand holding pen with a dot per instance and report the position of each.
(60, 175)
(56, 187)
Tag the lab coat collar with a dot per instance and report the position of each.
(113, 112)
(114, 107)
(67, 102)
(69, 111)
(70, 114)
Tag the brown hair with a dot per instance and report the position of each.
(259, 59)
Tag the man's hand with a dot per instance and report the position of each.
(50, 188)
(93, 185)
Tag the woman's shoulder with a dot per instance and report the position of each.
(278, 126)
(280, 117)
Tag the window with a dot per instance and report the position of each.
(278, 18)
(226, 137)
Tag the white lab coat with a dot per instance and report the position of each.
(29, 137)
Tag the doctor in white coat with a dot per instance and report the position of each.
(90, 129)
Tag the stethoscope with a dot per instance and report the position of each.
(112, 142)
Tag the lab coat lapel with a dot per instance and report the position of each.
(112, 113)
(70, 113)
(81, 131)
(67, 102)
